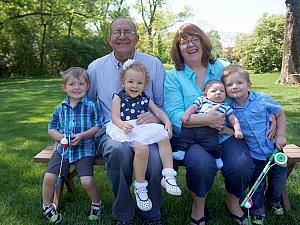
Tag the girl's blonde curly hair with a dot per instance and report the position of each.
(136, 66)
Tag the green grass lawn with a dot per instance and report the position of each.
(26, 108)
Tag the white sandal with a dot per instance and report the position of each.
(169, 183)
(143, 204)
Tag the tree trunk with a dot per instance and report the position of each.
(290, 70)
(42, 52)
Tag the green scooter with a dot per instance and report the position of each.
(278, 158)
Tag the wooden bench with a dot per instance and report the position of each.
(43, 157)
(292, 151)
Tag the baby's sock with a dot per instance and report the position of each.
(179, 155)
(219, 163)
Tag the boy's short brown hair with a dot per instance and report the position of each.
(76, 72)
(235, 68)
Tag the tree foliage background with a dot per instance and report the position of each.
(43, 37)
(261, 51)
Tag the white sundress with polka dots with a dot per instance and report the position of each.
(143, 134)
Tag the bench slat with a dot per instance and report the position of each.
(45, 155)
(293, 153)
(291, 150)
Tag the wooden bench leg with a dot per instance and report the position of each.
(285, 197)
(285, 200)
(69, 181)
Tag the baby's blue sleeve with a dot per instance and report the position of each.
(229, 110)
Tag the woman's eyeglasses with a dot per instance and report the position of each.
(185, 43)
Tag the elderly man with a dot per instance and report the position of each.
(105, 81)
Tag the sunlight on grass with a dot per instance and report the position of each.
(35, 120)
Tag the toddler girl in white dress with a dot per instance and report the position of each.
(126, 106)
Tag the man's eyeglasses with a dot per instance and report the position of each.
(118, 33)
(185, 43)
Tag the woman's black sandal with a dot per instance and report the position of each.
(197, 222)
(240, 219)
(202, 219)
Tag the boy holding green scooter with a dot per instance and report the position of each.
(74, 123)
(253, 110)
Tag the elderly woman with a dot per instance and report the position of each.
(194, 66)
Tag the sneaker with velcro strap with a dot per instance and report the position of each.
(278, 210)
(142, 200)
(258, 220)
(96, 210)
(51, 214)
(170, 184)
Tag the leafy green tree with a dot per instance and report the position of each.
(18, 39)
(45, 36)
(261, 51)
(157, 20)
(42, 37)
(216, 42)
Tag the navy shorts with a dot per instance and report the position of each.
(83, 166)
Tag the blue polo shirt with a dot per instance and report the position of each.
(254, 121)
(83, 116)
(181, 90)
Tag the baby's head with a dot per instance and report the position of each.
(75, 82)
(237, 82)
(214, 90)
(134, 77)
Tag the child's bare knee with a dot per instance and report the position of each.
(87, 181)
(142, 152)
(50, 178)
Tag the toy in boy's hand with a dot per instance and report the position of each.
(64, 142)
